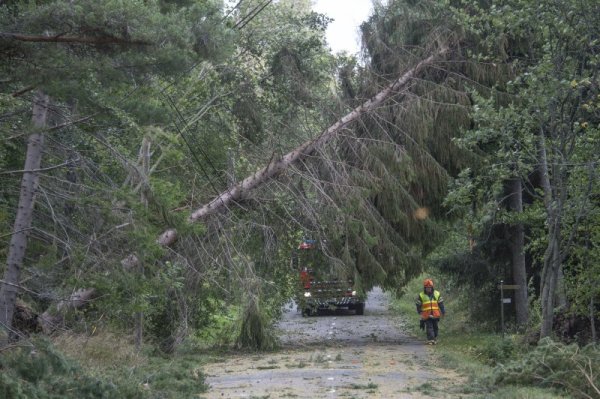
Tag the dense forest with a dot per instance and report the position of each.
(161, 159)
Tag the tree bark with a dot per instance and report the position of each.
(552, 258)
(145, 167)
(275, 167)
(167, 238)
(518, 253)
(593, 319)
(52, 318)
(24, 213)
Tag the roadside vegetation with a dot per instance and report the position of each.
(501, 367)
(160, 160)
(103, 362)
(103, 366)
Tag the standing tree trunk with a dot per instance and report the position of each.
(593, 319)
(29, 184)
(517, 243)
(592, 306)
(552, 258)
(145, 168)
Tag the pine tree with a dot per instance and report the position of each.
(84, 54)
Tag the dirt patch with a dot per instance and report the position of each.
(338, 355)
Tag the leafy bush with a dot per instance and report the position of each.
(554, 364)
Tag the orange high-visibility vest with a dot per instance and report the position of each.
(430, 306)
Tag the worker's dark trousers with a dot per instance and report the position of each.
(431, 326)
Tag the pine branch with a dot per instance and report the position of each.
(40, 169)
(275, 167)
(73, 39)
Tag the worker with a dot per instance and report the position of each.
(305, 277)
(430, 307)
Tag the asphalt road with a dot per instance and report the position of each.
(338, 355)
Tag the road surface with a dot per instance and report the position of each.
(338, 355)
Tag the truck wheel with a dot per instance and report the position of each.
(360, 309)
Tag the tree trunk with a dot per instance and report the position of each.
(145, 167)
(236, 192)
(548, 285)
(518, 253)
(54, 317)
(552, 258)
(273, 168)
(593, 319)
(24, 213)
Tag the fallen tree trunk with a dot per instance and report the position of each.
(275, 167)
(52, 318)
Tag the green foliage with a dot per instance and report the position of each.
(553, 364)
(133, 37)
(184, 380)
(395, 165)
(499, 351)
(548, 89)
(39, 371)
(492, 364)
(112, 357)
(219, 327)
(465, 345)
(255, 332)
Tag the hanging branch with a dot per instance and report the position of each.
(51, 319)
(94, 40)
(275, 167)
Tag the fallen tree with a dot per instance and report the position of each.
(275, 167)
(52, 318)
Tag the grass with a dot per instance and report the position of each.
(300, 365)
(470, 352)
(113, 358)
(319, 358)
(427, 388)
(370, 386)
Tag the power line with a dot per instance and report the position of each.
(187, 143)
(252, 14)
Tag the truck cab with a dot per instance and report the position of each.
(319, 286)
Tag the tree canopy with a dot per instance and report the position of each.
(233, 132)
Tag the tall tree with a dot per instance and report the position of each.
(544, 121)
(517, 242)
(96, 54)
(24, 213)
